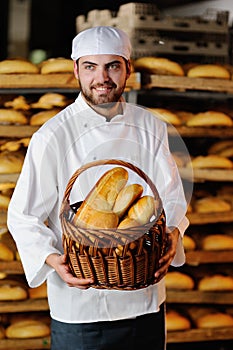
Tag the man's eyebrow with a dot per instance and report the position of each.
(96, 64)
(89, 62)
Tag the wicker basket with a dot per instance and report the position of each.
(92, 253)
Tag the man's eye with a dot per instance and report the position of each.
(89, 67)
(114, 66)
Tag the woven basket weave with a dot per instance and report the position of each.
(92, 252)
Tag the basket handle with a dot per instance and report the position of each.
(118, 162)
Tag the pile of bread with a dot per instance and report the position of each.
(24, 326)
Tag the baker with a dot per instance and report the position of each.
(99, 124)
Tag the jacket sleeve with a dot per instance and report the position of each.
(34, 197)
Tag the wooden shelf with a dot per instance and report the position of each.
(8, 177)
(188, 131)
(186, 83)
(11, 267)
(17, 131)
(16, 344)
(200, 175)
(198, 297)
(198, 335)
(210, 218)
(24, 305)
(197, 257)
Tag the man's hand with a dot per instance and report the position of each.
(59, 263)
(165, 261)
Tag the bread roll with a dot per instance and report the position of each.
(166, 115)
(217, 242)
(142, 210)
(219, 146)
(178, 281)
(6, 254)
(127, 223)
(57, 65)
(215, 320)
(189, 243)
(158, 65)
(17, 66)
(209, 71)
(12, 292)
(176, 322)
(41, 117)
(211, 205)
(126, 197)
(18, 103)
(39, 292)
(27, 329)
(50, 100)
(10, 116)
(210, 118)
(211, 161)
(216, 282)
(11, 162)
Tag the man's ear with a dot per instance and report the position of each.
(128, 69)
(76, 69)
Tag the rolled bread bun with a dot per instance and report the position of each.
(18, 102)
(11, 162)
(216, 282)
(97, 208)
(6, 254)
(57, 65)
(176, 280)
(188, 243)
(11, 116)
(215, 320)
(142, 211)
(50, 100)
(158, 65)
(39, 292)
(126, 197)
(10, 292)
(17, 66)
(176, 322)
(211, 205)
(40, 118)
(211, 161)
(165, 115)
(209, 71)
(27, 329)
(210, 118)
(217, 242)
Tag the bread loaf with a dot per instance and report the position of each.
(219, 146)
(50, 100)
(216, 282)
(4, 202)
(211, 205)
(41, 117)
(17, 66)
(217, 242)
(57, 65)
(210, 118)
(18, 103)
(215, 320)
(179, 281)
(176, 322)
(209, 71)
(127, 223)
(11, 116)
(6, 254)
(166, 115)
(39, 292)
(12, 292)
(126, 197)
(11, 162)
(189, 243)
(211, 161)
(158, 65)
(142, 210)
(27, 329)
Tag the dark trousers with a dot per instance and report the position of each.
(145, 332)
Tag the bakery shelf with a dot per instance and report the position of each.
(17, 131)
(24, 305)
(187, 131)
(11, 267)
(16, 344)
(210, 174)
(197, 335)
(186, 83)
(210, 218)
(199, 297)
(197, 257)
(8, 178)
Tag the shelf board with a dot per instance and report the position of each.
(17, 131)
(188, 131)
(11, 267)
(211, 174)
(186, 83)
(210, 218)
(9, 177)
(197, 257)
(197, 335)
(199, 297)
(17, 344)
(24, 305)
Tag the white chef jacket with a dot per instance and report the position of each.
(76, 136)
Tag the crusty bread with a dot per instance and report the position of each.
(17, 66)
(211, 205)
(4, 201)
(57, 65)
(12, 292)
(50, 100)
(158, 65)
(217, 242)
(215, 320)
(126, 197)
(41, 117)
(176, 322)
(179, 281)
(39, 292)
(127, 223)
(209, 71)
(166, 115)
(216, 282)
(211, 161)
(219, 146)
(18, 102)
(210, 118)
(142, 210)
(188, 243)
(27, 329)
(11, 162)
(6, 254)
(11, 116)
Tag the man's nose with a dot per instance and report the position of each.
(102, 75)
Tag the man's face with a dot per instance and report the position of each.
(102, 78)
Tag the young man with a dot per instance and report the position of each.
(98, 125)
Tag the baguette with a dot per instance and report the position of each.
(217, 242)
(216, 282)
(215, 320)
(126, 197)
(209, 71)
(27, 329)
(158, 65)
(142, 210)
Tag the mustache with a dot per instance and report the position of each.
(105, 85)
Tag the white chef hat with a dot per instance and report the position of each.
(101, 40)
